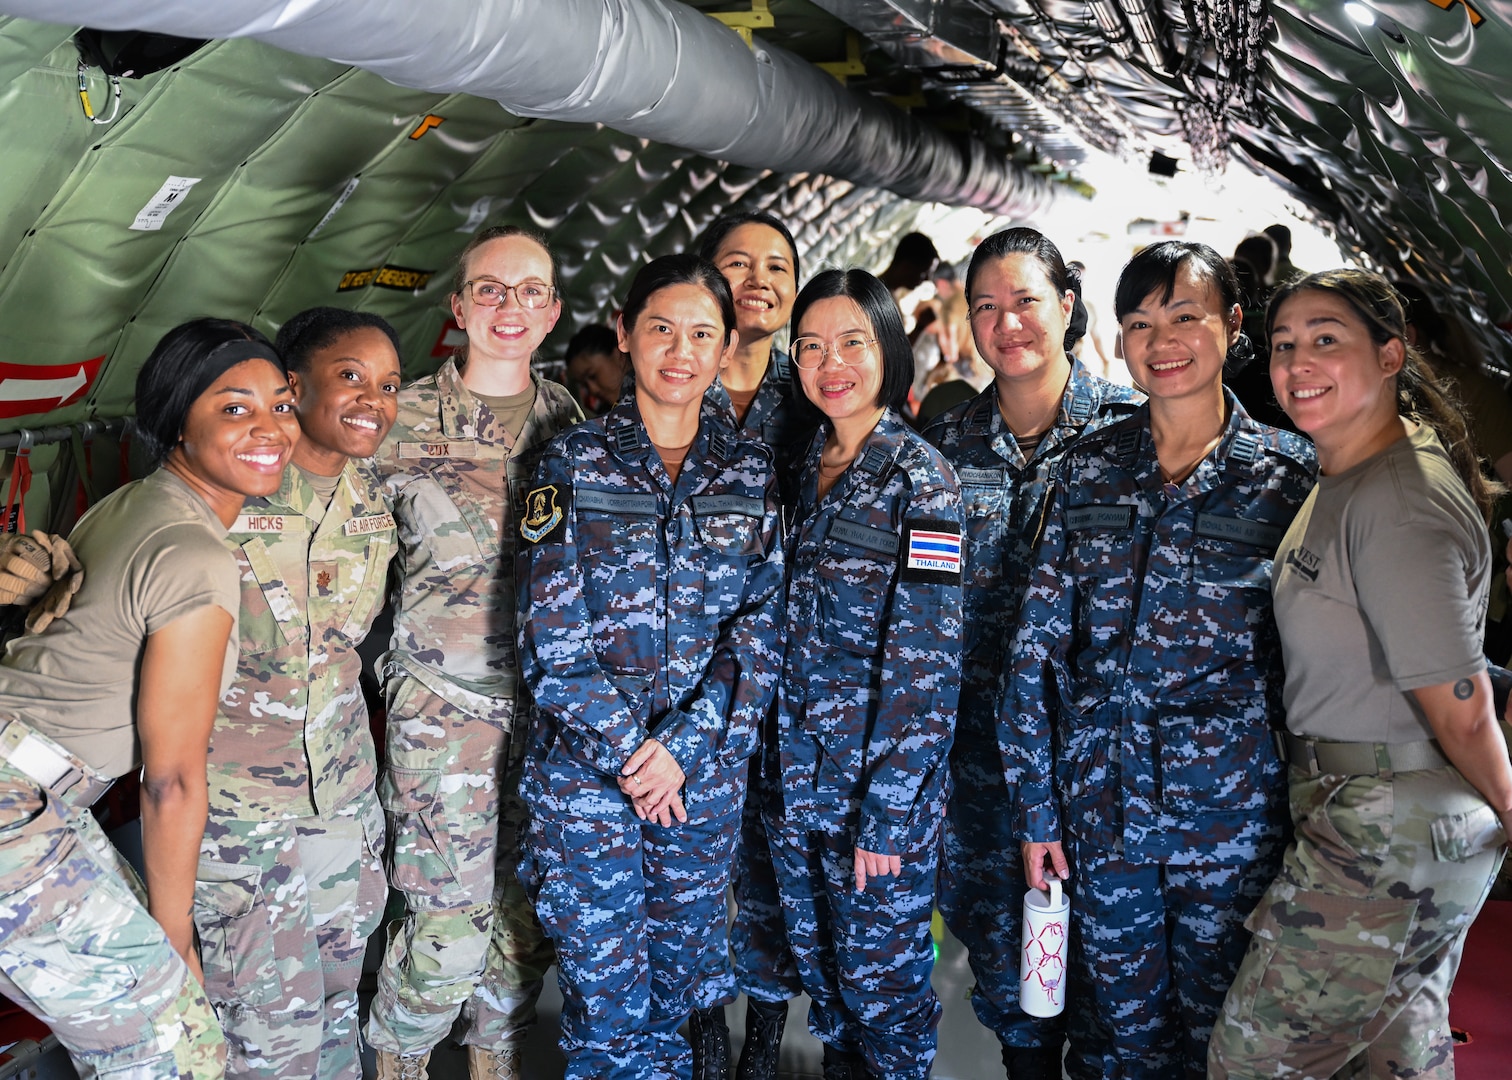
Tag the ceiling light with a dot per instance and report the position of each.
(1360, 13)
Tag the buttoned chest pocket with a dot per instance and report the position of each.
(367, 584)
(853, 595)
(1218, 567)
(1230, 598)
(730, 535)
(616, 536)
(984, 493)
(1102, 571)
(436, 515)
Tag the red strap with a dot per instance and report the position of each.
(20, 484)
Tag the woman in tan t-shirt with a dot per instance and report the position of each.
(129, 677)
(1401, 792)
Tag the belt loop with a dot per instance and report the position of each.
(1278, 740)
(1383, 761)
(1310, 758)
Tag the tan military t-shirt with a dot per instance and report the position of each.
(152, 552)
(1380, 588)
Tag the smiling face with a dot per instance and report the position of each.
(757, 262)
(677, 346)
(1176, 348)
(238, 435)
(346, 399)
(841, 391)
(509, 332)
(1332, 378)
(1018, 321)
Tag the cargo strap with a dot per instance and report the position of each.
(50, 765)
(1319, 756)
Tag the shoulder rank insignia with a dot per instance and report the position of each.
(542, 514)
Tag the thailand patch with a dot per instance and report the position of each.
(542, 514)
(932, 552)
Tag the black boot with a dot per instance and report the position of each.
(1032, 1062)
(709, 1036)
(840, 1065)
(763, 1040)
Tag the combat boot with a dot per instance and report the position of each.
(840, 1065)
(403, 1066)
(503, 1064)
(709, 1036)
(1032, 1062)
(763, 1040)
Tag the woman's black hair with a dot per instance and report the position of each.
(593, 338)
(319, 328)
(684, 268)
(181, 367)
(1155, 269)
(879, 307)
(1420, 395)
(1035, 244)
(725, 224)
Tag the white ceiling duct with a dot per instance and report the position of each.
(659, 70)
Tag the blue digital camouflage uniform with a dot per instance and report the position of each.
(648, 609)
(1003, 494)
(867, 701)
(470, 943)
(1146, 688)
(781, 419)
(290, 883)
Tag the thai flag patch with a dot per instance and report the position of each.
(933, 548)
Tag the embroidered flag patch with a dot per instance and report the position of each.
(932, 552)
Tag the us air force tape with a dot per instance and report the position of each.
(544, 515)
(932, 552)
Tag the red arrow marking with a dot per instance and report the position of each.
(28, 389)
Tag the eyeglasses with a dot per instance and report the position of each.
(850, 349)
(486, 292)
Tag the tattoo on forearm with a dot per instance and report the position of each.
(1464, 689)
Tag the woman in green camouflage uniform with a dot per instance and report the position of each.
(1401, 791)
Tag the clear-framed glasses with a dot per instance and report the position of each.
(486, 292)
(849, 349)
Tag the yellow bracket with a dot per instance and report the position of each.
(743, 22)
(852, 64)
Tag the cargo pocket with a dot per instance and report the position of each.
(1457, 837)
(1320, 962)
(236, 935)
(422, 864)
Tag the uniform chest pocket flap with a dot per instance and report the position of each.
(1233, 552)
(853, 595)
(730, 524)
(436, 515)
(616, 533)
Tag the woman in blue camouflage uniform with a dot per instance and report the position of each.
(128, 678)
(650, 599)
(759, 258)
(867, 699)
(1147, 680)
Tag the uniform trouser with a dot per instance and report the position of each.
(1154, 948)
(284, 909)
(636, 911)
(1357, 942)
(79, 951)
(982, 889)
(470, 945)
(864, 958)
(764, 965)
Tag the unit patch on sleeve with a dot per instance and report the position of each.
(543, 516)
(932, 552)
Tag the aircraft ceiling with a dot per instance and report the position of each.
(252, 178)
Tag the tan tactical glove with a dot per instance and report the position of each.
(39, 565)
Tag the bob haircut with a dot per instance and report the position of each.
(319, 328)
(877, 304)
(684, 268)
(1155, 269)
(725, 224)
(181, 367)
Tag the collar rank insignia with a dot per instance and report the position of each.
(542, 514)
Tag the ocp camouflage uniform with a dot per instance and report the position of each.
(470, 942)
(1146, 689)
(648, 610)
(781, 419)
(866, 706)
(290, 881)
(1003, 492)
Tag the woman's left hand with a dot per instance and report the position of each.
(870, 864)
(652, 778)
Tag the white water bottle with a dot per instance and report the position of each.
(1043, 953)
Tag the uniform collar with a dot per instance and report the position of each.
(462, 415)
